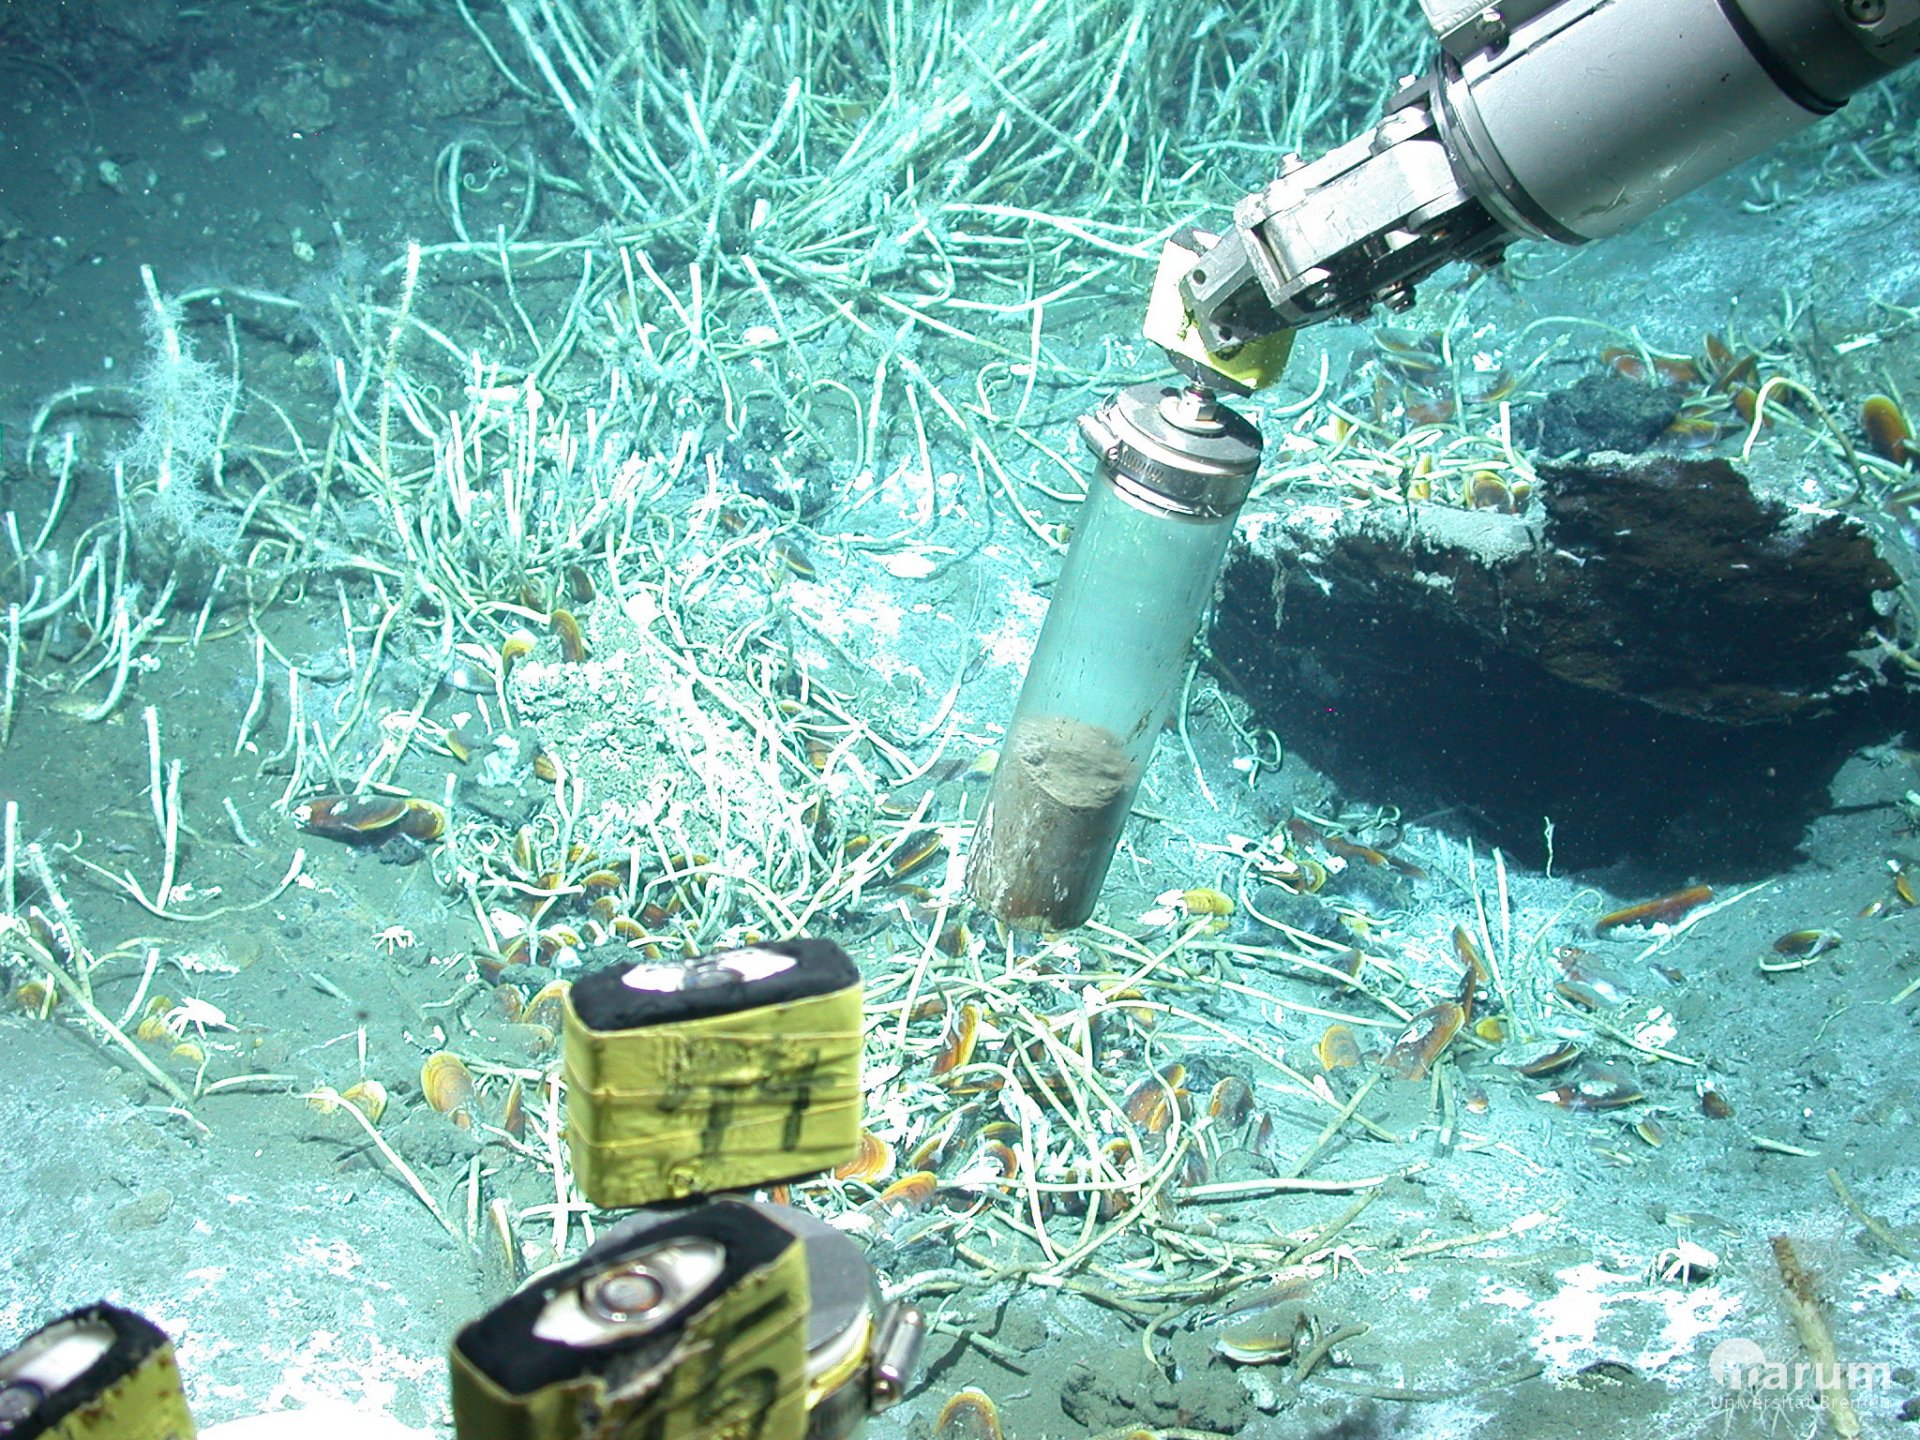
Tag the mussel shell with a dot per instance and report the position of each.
(1231, 1100)
(912, 1191)
(1806, 943)
(350, 817)
(871, 1162)
(422, 819)
(470, 676)
(1549, 1061)
(962, 1032)
(1264, 1333)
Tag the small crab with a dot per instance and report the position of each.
(394, 937)
(1683, 1263)
(196, 1013)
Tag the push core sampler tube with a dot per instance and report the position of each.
(1175, 468)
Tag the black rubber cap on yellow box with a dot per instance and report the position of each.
(604, 1001)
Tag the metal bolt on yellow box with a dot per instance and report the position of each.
(738, 1069)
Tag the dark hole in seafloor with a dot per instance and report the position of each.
(1396, 709)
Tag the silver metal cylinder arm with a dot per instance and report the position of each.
(1560, 119)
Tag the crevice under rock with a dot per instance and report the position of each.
(1666, 656)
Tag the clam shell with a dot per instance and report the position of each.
(1205, 900)
(535, 1042)
(513, 1114)
(548, 1007)
(1337, 1049)
(446, 1082)
(969, 1415)
(566, 629)
(369, 1097)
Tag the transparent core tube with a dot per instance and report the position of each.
(1101, 685)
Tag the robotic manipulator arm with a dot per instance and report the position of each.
(1568, 119)
(1558, 119)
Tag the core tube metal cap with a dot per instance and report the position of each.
(1175, 448)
